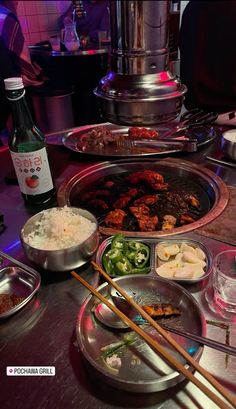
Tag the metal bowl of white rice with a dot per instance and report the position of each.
(60, 238)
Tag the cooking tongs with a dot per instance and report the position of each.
(186, 145)
(191, 119)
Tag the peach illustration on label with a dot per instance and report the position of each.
(32, 181)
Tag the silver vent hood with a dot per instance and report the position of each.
(139, 89)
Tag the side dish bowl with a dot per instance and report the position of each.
(182, 260)
(65, 258)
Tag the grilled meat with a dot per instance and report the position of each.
(122, 202)
(97, 138)
(169, 222)
(186, 219)
(101, 204)
(95, 193)
(145, 221)
(115, 219)
(191, 199)
(139, 201)
(147, 200)
(139, 210)
(151, 178)
(161, 310)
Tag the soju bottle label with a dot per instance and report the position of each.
(32, 171)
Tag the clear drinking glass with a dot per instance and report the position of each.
(71, 39)
(224, 280)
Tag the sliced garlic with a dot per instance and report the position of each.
(161, 252)
(172, 250)
(168, 269)
(200, 253)
(180, 261)
(189, 271)
(186, 247)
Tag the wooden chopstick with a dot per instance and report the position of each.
(172, 361)
(227, 395)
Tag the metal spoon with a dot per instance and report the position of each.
(108, 318)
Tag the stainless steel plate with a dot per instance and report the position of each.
(72, 140)
(141, 369)
(152, 243)
(19, 281)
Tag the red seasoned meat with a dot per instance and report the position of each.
(115, 219)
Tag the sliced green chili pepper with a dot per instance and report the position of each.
(123, 266)
(108, 265)
(130, 255)
(135, 245)
(143, 270)
(141, 257)
(119, 242)
(114, 254)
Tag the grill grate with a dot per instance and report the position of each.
(109, 188)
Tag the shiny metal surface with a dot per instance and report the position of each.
(139, 88)
(149, 372)
(73, 141)
(229, 146)
(111, 320)
(34, 50)
(209, 182)
(17, 278)
(64, 259)
(153, 243)
(43, 332)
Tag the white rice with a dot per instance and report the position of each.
(60, 228)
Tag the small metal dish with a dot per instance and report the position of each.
(60, 259)
(105, 245)
(192, 243)
(21, 282)
(228, 144)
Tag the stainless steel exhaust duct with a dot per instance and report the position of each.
(139, 89)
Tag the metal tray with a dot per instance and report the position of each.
(142, 370)
(72, 140)
(152, 243)
(17, 278)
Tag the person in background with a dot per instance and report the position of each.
(95, 18)
(207, 55)
(14, 56)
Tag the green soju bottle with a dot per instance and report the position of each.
(28, 149)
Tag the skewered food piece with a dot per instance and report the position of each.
(161, 310)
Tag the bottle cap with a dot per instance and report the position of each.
(13, 83)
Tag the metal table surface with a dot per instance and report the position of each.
(43, 332)
(92, 50)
